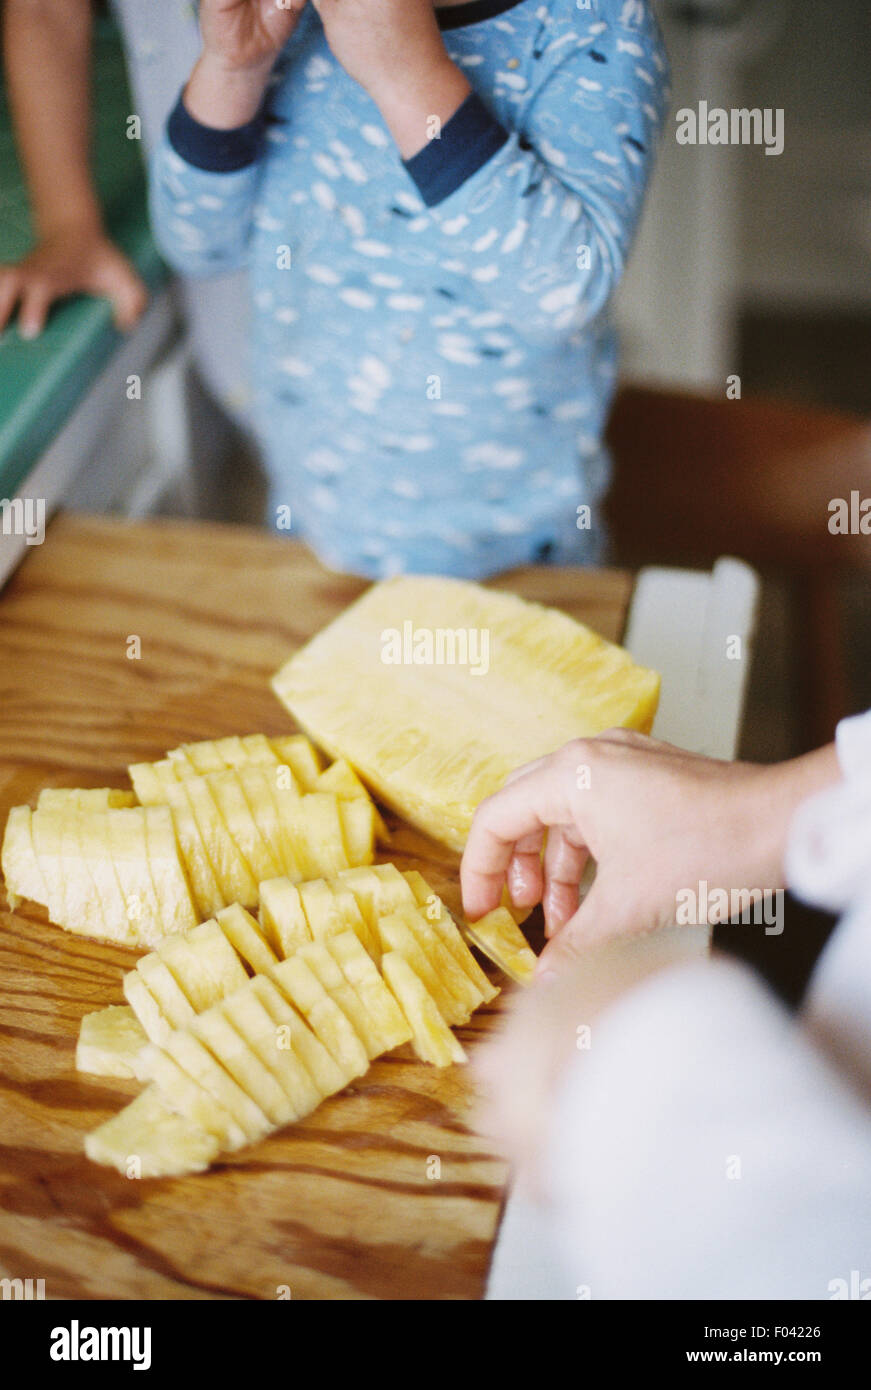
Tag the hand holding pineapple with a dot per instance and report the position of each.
(655, 820)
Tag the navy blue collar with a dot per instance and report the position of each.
(473, 12)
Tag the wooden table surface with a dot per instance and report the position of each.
(343, 1205)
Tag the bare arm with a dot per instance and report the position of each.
(47, 49)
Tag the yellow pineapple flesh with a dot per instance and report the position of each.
(435, 689)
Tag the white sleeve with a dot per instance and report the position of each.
(703, 1149)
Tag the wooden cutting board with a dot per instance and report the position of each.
(385, 1191)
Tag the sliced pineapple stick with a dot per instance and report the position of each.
(234, 877)
(258, 749)
(196, 1059)
(301, 757)
(173, 1004)
(341, 778)
(47, 829)
(111, 1042)
(286, 796)
(358, 822)
(171, 883)
(232, 750)
(397, 935)
(377, 893)
(452, 975)
(256, 784)
(295, 978)
(321, 909)
(498, 936)
(83, 799)
(94, 846)
(250, 1018)
(438, 916)
(322, 1066)
(205, 966)
(148, 1139)
(433, 1040)
(226, 1043)
(145, 1007)
(352, 918)
(188, 1098)
(246, 938)
(282, 917)
(21, 871)
(128, 846)
(83, 909)
(241, 827)
(321, 824)
(387, 1020)
(207, 892)
(331, 976)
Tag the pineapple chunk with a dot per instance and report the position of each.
(438, 916)
(251, 1018)
(332, 977)
(322, 1067)
(47, 830)
(300, 755)
(188, 1098)
(195, 758)
(94, 846)
(498, 937)
(480, 682)
(322, 827)
(206, 890)
(200, 1065)
(245, 936)
(296, 979)
(83, 799)
(377, 893)
(321, 909)
(83, 909)
(282, 917)
(352, 919)
(226, 1043)
(148, 1139)
(387, 1021)
(452, 976)
(111, 1042)
(433, 1040)
(258, 788)
(21, 871)
(397, 935)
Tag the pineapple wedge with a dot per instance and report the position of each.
(251, 1018)
(240, 824)
(246, 938)
(358, 820)
(111, 1043)
(397, 935)
(149, 1140)
(282, 917)
(443, 923)
(498, 937)
(453, 977)
(332, 977)
(188, 1098)
(21, 871)
(162, 986)
(296, 979)
(341, 778)
(432, 1038)
(300, 755)
(321, 1066)
(387, 1021)
(145, 1007)
(204, 964)
(199, 1064)
(153, 790)
(171, 883)
(231, 1049)
(434, 690)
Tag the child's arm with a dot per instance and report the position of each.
(210, 157)
(47, 52)
(541, 220)
(656, 820)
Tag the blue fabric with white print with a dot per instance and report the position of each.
(433, 357)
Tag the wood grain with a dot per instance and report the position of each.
(340, 1206)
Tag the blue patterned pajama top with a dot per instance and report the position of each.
(433, 359)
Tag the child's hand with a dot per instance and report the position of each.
(383, 44)
(70, 261)
(247, 34)
(655, 819)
